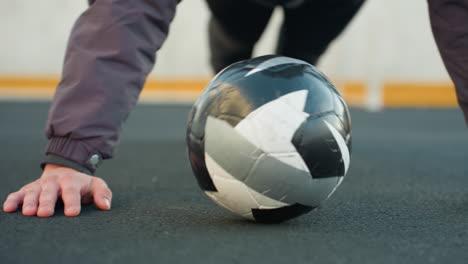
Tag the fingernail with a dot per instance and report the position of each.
(72, 209)
(107, 202)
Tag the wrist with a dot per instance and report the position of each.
(54, 161)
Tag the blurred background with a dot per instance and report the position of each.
(386, 57)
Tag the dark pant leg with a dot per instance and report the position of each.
(449, 20)
(235, 26)
(309, 29)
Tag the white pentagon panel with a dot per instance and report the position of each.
(272, 126)
(234, 195)
(296, 100)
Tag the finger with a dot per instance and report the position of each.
(13, 201)
(71, 198)
(30, 201)
(48, 199)
(101, 193)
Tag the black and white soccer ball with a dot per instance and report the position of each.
(269, 138)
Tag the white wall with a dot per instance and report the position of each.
(34, 34)
(389, 40)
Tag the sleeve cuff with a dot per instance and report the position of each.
(57, 160)
(73, 153)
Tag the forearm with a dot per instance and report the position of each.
(109, 55)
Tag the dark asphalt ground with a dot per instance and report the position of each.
(405, 199)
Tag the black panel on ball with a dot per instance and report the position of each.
(319, 149)
(196, 154)
(341, 110)
(267, 85)
(281, 214)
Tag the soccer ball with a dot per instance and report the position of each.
(269, 138)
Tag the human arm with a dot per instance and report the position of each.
(110, 52)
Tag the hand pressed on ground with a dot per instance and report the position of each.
(57, 182)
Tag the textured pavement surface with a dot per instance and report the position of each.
(405, 198)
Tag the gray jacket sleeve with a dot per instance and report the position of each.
(449, 21)
(110, 52)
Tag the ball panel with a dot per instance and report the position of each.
(293, 159)
(234, 195)
(229, 118)
(318, 147)
(320, 99)
(342, 112)
(196, 155)
(280, 214)
(339, 180)
(321, 189)
(265, 202)
(227, 147)
(225, 102)
(282, 182)
(345, 157)
(296, 100)
(271, 126)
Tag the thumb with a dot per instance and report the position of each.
(101, 193)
